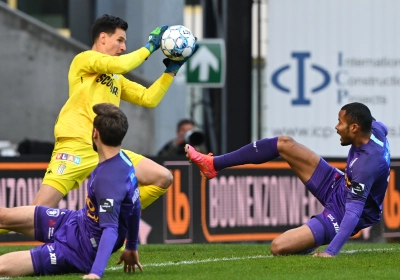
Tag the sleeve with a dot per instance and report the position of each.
(147, 97)
(109, 236)
(349, 222)
(110, 191)
(96, 62)
(363, 177)
(132, 239)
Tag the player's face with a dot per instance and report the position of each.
(115, 44)
(345, 129)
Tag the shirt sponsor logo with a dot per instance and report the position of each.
(357, 188)
(53, 212)
(108, 81)
(68, 157)
(106, 205)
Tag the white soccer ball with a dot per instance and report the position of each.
(177, 42)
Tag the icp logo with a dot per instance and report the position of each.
(301, 99)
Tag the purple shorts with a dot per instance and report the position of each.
(327, 185)
(57, 255)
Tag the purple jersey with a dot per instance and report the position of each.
(367, 175)
(87, 237)
(366, 179)
(112, 204)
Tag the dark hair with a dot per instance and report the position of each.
(360, 114)
(107, 24)
(111, 123)
(182, 123)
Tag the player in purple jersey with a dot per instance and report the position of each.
(352, 200)
(82, 241)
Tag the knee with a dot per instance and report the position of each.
(3, 268)
(277, 247)
(166, 179)
(285, 142)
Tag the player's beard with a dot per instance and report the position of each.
(94, 144)
(94, 147)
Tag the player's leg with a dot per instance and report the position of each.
(293, 241)
(319, 230)
(154, 179)
(302, 160)
(19, 219)
(16, 264)
(47, 196)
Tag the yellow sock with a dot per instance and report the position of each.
(4, 231)
(149, 194)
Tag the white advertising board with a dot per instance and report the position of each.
(325, 54)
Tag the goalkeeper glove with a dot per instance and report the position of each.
(174, 65)
(154, 42)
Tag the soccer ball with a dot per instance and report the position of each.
(177, 42)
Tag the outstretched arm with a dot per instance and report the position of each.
(147, 97)
(150, 97)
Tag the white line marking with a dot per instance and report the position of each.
(197, 261)
(240, 258)
(368, 250)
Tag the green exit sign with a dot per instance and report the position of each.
(206, 68)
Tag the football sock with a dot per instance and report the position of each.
(257, 152)
(149, 194)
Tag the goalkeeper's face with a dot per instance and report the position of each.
(115, 44)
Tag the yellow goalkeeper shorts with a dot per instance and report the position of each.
(72, 162)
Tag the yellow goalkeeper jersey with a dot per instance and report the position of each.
(96, 78)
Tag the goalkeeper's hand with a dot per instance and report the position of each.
(173, 65)
(154, 42)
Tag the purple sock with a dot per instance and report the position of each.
(257, 152)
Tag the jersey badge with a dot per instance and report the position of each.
(51, 212)
(106, 205)
(357, 188)
(61, 168)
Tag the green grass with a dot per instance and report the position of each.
(252, 261)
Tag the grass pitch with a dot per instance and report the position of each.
(251, 261)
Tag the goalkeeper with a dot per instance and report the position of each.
(96, 76)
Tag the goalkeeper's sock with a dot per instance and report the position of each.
(4, 231)
(149, 194)
(257, 152)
